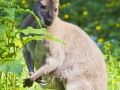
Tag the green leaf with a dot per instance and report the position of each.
(2, 8)
(2, 42)
(11, 12)
(3, 1)
(3, 27)
(44, 31)
(26, 40)
(56, 39)
(11, 66)
(5, 48)
(31, 30)
(11, 2)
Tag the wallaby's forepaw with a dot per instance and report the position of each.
(41, 82)
(27, 82)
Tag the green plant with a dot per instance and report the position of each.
(10, 68)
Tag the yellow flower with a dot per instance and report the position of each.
(25, 6)
(85, 13)
(117, 25)
(68, 4)
(64, 5)
(113, 58)
(23, 2)
(100, 40)
(5, 22)
(113, 81)
(107, 48)
(107, 5)
(112, 4)
(98, 28)
(66, 16)
(96, 22)
(20, 45)
(109, 44)
(16, 89)
(16, 44)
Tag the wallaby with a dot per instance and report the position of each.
(77, 65)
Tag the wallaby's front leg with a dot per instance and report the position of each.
(30, 64)
(53, 61)
(29, 60)
(48, 67)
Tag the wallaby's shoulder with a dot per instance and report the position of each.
(60, 27)
(64, 27)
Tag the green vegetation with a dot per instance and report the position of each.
(99, 18)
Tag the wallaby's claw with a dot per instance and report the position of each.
(27, 82)
(41, 82)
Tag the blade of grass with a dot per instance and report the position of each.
(13, 82)
(0, 80)
(7, 81)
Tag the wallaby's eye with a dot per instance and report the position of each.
(55, 9)
(42, 7)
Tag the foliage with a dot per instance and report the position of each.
(8, 51)
(38, 32)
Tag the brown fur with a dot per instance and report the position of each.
(79, 63)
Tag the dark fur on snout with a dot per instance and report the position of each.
(44, 14)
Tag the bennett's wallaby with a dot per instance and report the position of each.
(79, 63)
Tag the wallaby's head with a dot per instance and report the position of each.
(46, 10)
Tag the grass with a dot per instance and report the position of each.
(113, 68)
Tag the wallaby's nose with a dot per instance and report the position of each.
(49, 18)
(49, 21)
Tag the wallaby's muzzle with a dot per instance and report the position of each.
(44, 14)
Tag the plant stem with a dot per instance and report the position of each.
(0, 80)
(31, 12)
(13, 82)
(7, 81)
